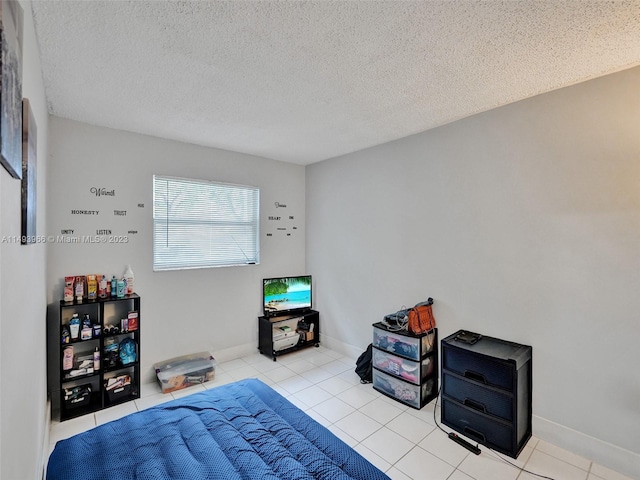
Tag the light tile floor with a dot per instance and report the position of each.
(401, 441)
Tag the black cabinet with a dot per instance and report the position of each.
(405, 366)
(486, 390)
(286, 333)
(99, 365)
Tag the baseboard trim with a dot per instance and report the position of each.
(240, 351)
(606, 454)
(344, 348)
(233, 353)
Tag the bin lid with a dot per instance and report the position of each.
(493, 347)
(184, 364)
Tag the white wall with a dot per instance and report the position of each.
(181, 311)
(23, 395)
(522, 223)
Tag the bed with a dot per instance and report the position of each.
(243, 430)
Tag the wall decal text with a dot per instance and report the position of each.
(98, 192)
(85, 212)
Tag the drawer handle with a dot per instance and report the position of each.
(475, 376)
(470, 432)
(475, 405)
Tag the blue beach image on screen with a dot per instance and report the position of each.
(288, 293)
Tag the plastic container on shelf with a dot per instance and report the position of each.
(74, 326)
(96, 359)
(77, 396)
(67, 358)
(118, 387)
(102, 287)
(128, 276)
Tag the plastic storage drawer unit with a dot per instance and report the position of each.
(412, 395)
(406, 345)
(486, 390)
(409, 370)
(181, 372)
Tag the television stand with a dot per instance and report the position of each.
(287, 333)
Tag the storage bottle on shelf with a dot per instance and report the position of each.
(92, 287)
(114, 286)
(66, 336)
(96, 359)
(87, 330)
(67, 358)
(74, 326)
(79, 288)
(102, 287)
(128, 276)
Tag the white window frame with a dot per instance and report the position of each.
(204, 224)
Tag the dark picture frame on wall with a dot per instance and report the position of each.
(29, 169)
(11, 87)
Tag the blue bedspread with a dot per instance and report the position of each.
(243, 430)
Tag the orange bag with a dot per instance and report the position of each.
(421, 318)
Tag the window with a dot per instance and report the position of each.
(200, 224)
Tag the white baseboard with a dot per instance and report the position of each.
(240, 351)
(234, 352)
(601, 452)
(341, 347)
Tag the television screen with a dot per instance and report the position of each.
(286, 295)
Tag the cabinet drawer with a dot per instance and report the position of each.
(413, 347)
(409, 370)
(477, 397)
(478, 367)
(476, 426)
(412, 395)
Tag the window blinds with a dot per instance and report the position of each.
(200, 224)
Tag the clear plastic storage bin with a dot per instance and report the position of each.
(185, 371)
(403, 344)
(408, 370)
(412, 395)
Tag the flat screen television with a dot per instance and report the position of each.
(286, 295)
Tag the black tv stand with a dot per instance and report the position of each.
(282, 334)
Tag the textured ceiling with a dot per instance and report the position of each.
(303, 81)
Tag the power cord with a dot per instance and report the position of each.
(435, 406)
(496, 454)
